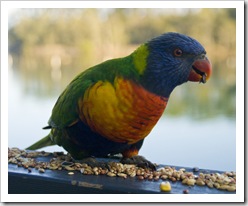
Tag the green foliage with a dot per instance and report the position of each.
(82, 38)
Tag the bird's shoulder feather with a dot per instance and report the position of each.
(65, 111)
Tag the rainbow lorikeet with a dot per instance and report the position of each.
(111, 107)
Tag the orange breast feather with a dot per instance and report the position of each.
(122, 112)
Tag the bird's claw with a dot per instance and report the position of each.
(140, 161)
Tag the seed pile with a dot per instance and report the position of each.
(61, 161)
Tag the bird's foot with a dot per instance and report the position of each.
(92, 162)
(138, 160)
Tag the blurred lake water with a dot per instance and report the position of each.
(176, 140)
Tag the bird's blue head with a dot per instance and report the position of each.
(171, 60)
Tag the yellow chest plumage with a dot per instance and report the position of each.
(121, 112)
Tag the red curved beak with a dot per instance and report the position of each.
(201, 70)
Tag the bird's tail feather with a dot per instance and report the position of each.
(45, 141)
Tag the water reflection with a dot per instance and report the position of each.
(56, 68)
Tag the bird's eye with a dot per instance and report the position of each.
(178, 52)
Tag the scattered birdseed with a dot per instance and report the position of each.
(165, 186)
(41, 170)
(60, 161)
(111, 174)
(185, 191)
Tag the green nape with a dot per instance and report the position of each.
(139, 57)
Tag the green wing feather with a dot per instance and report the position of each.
(65, 111)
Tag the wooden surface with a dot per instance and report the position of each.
(22, 181)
